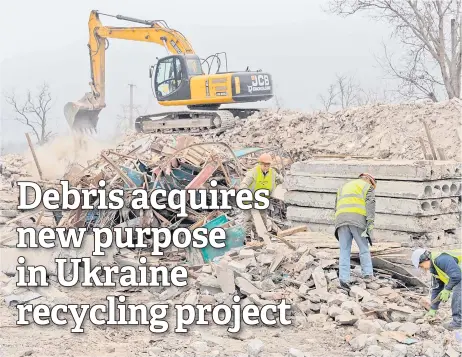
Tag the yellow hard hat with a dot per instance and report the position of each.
(265, 159)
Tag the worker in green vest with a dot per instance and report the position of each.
(262, 176)
(354, 219)
(445, 268)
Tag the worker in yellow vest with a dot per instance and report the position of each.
(446, 271)
(262, 176)
(354, 219)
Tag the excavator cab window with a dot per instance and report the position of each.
(194, 66)
(169, 76)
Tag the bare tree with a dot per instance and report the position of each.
(328, 100)
(431, 34)
(33, 111)
(346, 92)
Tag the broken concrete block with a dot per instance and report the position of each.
(225, 278)
(409, 328)
(200, 346)
(384, 291)
(267, 285)
(305, 275)
(247, 253)
(358, 292)
(303, 289)
(374, 351)
(334, 311)
(337, 299)
(359, 342)
(265, 259)
(247, 287)
(317, 318)
(305, 306)
(207, 269)
(393, 326)
(207, 300)
(368, 326)
(275, 295)
(255, 347)
(401, 350)
(191, 299)
(352, 307)
(293, 352)
(346, 319)
(238, 265)
(320, 279)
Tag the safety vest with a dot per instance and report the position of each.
(456, 253)
(260, 181)
(351, 197)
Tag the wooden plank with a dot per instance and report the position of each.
(291, 231)
(203, 176)
(31, 147)
(122, 174)
(260, 226)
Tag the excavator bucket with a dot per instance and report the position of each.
(82, 115)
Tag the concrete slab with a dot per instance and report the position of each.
(385, 188)
(401, 206)
(404, 170)
(383, 221)
(428, 239)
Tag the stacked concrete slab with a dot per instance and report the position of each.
(417, 202)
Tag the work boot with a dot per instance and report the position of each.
(345, 286)
(451, 326)
(369, 278)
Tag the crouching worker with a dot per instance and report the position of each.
(445, 268)
(354, 219)
(262, 176)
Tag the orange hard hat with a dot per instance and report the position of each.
(265, 159)
(370, 178)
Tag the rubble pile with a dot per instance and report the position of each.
(417, 202)
(390, 131)
(380, 317)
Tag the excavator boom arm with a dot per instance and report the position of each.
(84, 113)
(174, 42)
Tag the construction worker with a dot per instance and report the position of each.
(354, 219)
(262, 176)
(445, 268)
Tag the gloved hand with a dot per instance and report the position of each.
(444, 295)
(430, 314)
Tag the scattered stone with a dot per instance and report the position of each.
(409, 328)
(331, 275)
(374, 351)
(303, 289)
(373, 285)
(352, 307)
(191, 299)
(275, 295)
(199, 346)
(317, 318)
(268, 285)
(206, 269)
(400, 350)
(337, 299)
(247, 287)
(360, 341)
(293, 352)
(358, 292)
(265, 259)
(393, 326)
(451, 352)
(247, 253)
(319, 279)
(255, 347)
(207, 300)
(385, 291)
(368, 326)
(346, 319)
(305, 275)
(334, 311)
(238, 266)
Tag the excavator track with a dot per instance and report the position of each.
(195, 121)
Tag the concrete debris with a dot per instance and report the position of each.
(255, 347)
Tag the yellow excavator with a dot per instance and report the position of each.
(181, 78)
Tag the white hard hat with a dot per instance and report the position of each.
(416, 254)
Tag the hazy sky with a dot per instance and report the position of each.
(300, 45)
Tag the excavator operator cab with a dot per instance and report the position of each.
(172, 74)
